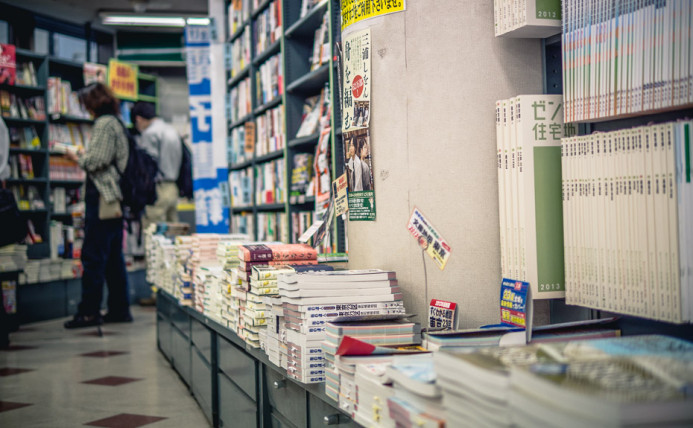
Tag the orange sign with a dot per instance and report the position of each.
(122, 78)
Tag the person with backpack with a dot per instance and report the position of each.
(164, 144)
(104, 160)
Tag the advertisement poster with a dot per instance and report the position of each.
(122, 78)
(429, 239)
(210, 173)
(513, 302)
(358, 162)
(8, 64)
(442, 314)
(339, 189)
(95, 73)
(354, 11)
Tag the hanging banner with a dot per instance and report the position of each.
(354, 11)
(358, 162)
(429, 239)
(122, 79)
(210, 183)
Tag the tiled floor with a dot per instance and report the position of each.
(52, 377)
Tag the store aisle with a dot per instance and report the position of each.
(52, 377)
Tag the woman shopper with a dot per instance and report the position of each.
(102, 251)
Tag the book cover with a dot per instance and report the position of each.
(8, 64)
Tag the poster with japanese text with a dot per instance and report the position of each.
(210, 171)
(513, 302)
(122, 79)
(358, 161)
(429, 239)
(354, 11)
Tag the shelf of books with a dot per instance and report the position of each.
(281, 83)
(45, 118)
(616, 160)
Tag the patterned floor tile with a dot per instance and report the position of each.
(125, 420)
(9, 371)
(9, 405)
(103, 354)
(112, 380)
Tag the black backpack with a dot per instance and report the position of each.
(138, 180)
(185, 178)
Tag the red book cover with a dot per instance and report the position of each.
(293, 252)
(254, 253)
(8, 64)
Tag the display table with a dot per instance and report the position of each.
(234, 384)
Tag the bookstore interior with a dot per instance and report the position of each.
(539, 250)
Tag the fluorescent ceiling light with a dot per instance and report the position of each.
(198, 21)
(153, 21)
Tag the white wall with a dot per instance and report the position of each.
(437, 70)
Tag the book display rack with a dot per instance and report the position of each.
(279, 55)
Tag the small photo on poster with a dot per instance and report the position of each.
(361, 114)
(357, 162)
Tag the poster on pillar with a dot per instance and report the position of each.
(356, 100)
(210, 173)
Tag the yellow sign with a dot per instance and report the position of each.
(428, 238)
(122, 78)
(354, 11)
(339, 189)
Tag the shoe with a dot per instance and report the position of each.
(80, 321)
(109, 318)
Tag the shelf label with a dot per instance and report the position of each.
(339, 189)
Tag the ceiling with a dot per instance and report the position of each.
(83, 11)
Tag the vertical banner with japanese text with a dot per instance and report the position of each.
(210, 174)
(356, 98)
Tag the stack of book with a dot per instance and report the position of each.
(395, 332)
(417, 399)
(62, 137)
(529, 129)
(239, 100)
(25, 137)
(26, 74)
(527, 18)
(270, 183)
(60, 168)
(182, 272)
(31, 272)
(625, 381)
(13, 258)
(17, 107)
(240, 53)
(373, 389)
(236, 150)
(241, 185)
(312, 298)
(203, 255)
(478, 393)
(271, 337)
(243, 223)
(21, 166)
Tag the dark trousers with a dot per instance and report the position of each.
(102, 259)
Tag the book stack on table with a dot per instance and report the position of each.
(620, 381)
(181, 270)
(340, 383)
(417, 399)
(312, 299)
(227, 257)
(204, 254)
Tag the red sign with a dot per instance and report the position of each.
(357, 86)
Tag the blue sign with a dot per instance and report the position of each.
(513, 302)
(210, 185)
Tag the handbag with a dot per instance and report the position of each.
(109, 210)
(13, 226)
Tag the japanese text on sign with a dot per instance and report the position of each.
(429, 239)
(442, 314)
(122, 78)
(354, 11)
(513, 302)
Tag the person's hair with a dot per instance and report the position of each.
(99, 99)
(142, 109)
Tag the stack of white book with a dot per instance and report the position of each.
(373, 388)
(13, 258)
(311, 299)
(31, 272)
(417, 399)
(183, 289)
(270, 337)
(383, 330)
(625, 381)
